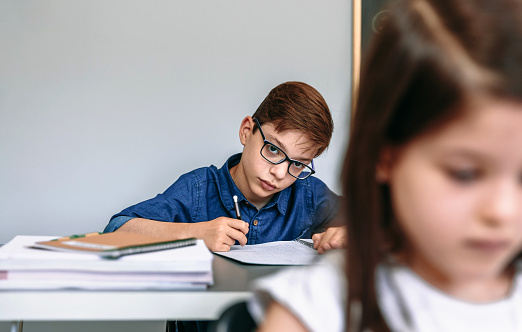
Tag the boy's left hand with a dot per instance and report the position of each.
(332, 238)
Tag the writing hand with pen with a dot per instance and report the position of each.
(221, 233)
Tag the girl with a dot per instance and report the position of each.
(432, 183)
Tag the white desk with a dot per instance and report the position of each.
(231, 285)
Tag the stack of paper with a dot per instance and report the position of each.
(23, 267)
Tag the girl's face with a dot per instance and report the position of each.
(457, 196)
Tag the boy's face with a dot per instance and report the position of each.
(259, 179)
(457, 196)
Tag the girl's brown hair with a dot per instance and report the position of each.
(429, 60)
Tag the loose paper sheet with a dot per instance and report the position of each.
(273, 253)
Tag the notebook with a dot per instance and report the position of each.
(113, 245)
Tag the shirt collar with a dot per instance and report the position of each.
(227, 188)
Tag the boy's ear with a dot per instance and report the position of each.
(245, 129)
(384, 165)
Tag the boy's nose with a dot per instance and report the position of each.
(280, 170)
(503, 204)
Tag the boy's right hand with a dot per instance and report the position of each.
(219, 234)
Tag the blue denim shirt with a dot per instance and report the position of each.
(206, 193)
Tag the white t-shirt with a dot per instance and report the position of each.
(316, 295)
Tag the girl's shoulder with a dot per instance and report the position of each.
(315, 294)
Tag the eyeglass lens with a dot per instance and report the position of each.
(274, 155)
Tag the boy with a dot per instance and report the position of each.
(277, 198)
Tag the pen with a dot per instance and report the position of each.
(236, 205)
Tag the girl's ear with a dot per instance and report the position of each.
(246, 129)
(384, 165)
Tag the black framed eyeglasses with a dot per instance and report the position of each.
(275, 155)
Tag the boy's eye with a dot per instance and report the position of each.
(272, 149)
(298, 165)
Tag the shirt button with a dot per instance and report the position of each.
(255, 222)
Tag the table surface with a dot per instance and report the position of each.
(231, 284)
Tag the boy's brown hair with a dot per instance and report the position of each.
(298, 106)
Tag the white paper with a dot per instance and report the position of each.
(97, 285)
(273, 253)
(172, 277)
(21, 267)
(16, 255)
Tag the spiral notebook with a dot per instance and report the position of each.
(113, 245)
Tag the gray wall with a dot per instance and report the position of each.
(105, 103)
